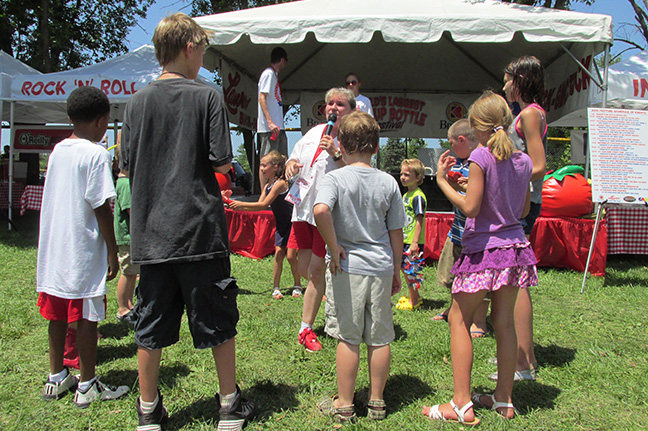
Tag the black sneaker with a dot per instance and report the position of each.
(152, 421)
(234, 417)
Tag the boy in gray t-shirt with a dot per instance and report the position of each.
(359, 212)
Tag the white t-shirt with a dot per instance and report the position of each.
(364, 104)
(269, 84)
(303, 154)
(72, 254)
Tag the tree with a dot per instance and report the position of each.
(394, 152)
(641, 16)
(60, 35)
(551, 4)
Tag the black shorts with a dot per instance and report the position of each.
(528, 221)
(204, 287)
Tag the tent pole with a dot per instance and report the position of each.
(605, 76)
(11, 161)
(592, 77)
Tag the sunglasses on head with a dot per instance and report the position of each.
(354, 82)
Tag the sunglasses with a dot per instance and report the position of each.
(354, 82)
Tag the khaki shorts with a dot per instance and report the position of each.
(127, 268)
(358, 308)
(449, 256)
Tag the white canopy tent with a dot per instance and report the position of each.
(452, 49)
(627, 89)
(36, 98)
(40, 99)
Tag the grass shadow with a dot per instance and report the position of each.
(116, 331)
(110, 353)
(272, 397)
(529, 396)
(120, 377)
(203, 410)
(433, 304)
(170, 373)
(399, 333)
(24, 234)
(401, 390)
(553, 355)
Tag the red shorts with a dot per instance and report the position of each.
(305, 236)
(55, 308)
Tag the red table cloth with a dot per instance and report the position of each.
(557, 242)
(31, 199)
(16, 192)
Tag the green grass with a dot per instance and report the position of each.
(592, 350)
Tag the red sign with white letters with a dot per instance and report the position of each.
(39, 139)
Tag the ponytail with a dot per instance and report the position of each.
(500, 144)
(490, 113)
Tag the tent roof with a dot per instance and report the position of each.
(11, 66)
(407, 46)
(410, 21)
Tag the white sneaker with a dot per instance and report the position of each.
(98, 391)
(54, 391)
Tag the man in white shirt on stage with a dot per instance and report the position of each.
(270, 125)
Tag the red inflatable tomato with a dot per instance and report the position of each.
(566, 193)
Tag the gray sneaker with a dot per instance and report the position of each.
(54, 391)
(98, 391)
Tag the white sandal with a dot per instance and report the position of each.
(496, 404)
(276, 294)
(435, 414)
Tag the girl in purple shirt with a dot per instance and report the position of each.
(496, 256)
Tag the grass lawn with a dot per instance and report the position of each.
(592, 351)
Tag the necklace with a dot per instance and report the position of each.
(166, 72)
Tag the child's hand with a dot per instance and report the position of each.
(113, 266)
(446, 161)
(396, 284)
(414, 249)
(235, 205)
(334, 264)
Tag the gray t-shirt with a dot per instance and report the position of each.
(365, 204)
(175, 132)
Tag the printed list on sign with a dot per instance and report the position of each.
(618, 140)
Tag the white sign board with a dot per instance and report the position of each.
(618, 155)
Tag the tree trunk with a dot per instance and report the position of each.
(45, 37)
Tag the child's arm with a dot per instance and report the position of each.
(264, 200)
(531, 124)
(469, 204)
(396, 240)
(324, 221)
(418, 227)
(105, 220)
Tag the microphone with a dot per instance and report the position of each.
(329, 125)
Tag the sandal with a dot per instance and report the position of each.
(496, 404)
(377, 410)
(297, 292)
(405, 305)
(441, 316)
(435, 414)
(340, 415)
(276, 294)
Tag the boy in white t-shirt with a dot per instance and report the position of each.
(77, 252)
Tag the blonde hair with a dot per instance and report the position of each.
(359, 133)
(417, 166)
(277, 159)
(491, 113)
(462, 128)
(173, 34)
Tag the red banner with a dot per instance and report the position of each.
(39, 139)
